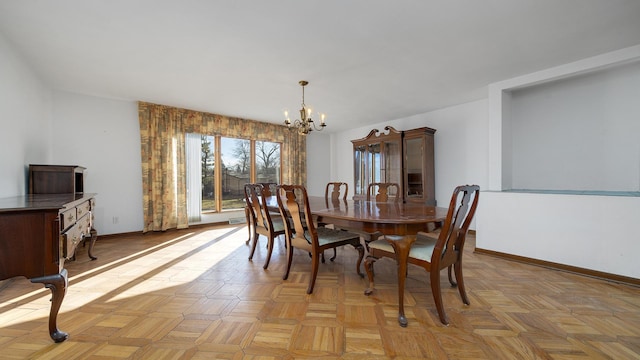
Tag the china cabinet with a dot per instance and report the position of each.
(402, 157)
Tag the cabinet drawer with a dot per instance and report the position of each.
(72, 237)
(83, 208)
(67, 218)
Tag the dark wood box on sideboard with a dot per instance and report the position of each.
(56, 179)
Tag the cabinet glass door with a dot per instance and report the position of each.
(414, 163)
(378, 158)
(393, 165)
(375, 163)
(360, 172)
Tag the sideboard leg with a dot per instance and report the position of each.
(94, 237)
(58, 285)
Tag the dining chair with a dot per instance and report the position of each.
(432, 254)
(333, 198)
(268, 187)
(264, 223)
(338, 190)
(380, 192)
(333, 193)
(383, 192)
(303, 234)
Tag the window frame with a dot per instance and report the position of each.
(217, 149)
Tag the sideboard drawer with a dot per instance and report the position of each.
(83, 208)
(67, 218)
(74, 235)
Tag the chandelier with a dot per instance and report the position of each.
(304, 125)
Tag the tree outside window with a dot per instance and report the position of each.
(234, 163)
(267, 162)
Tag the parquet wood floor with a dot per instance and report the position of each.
(192, 294)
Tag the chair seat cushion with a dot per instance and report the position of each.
(367, 236)
(328, 236)
(278, 224)
(421, 249)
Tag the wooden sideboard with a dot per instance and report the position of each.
(38, 232)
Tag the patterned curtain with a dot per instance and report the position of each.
(162, 136)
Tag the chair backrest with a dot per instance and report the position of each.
(256, 197)
(338, 190)
(269, 188)
(293, 203)
(454, 230)
(249, 201)
(383, 192)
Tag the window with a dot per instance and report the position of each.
(218, 167)
(235, 166)
(207, 173)
(267, 162)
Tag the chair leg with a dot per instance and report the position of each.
(247, 214)
(451, 281)
(289, 259)
(334, 257)
(270, 241)
(437, 296)
(463, 292)
(253, 245)
(315, 264)
(368, 266)
(360, 249)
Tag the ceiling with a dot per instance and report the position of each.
(366, 61)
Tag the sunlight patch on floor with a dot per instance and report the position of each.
(182, 260)
(181, 263)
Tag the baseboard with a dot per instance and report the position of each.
(193, 226)
(562, 267)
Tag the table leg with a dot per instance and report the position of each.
(58, 285)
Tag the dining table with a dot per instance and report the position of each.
(388, 218)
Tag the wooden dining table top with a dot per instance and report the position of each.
(371, 216)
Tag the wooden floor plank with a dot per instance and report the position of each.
(193, 294)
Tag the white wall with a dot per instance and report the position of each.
(461, 147)
(579, 133)
(588, 231)
(320, 155)
(25, 120)
(102, 135)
